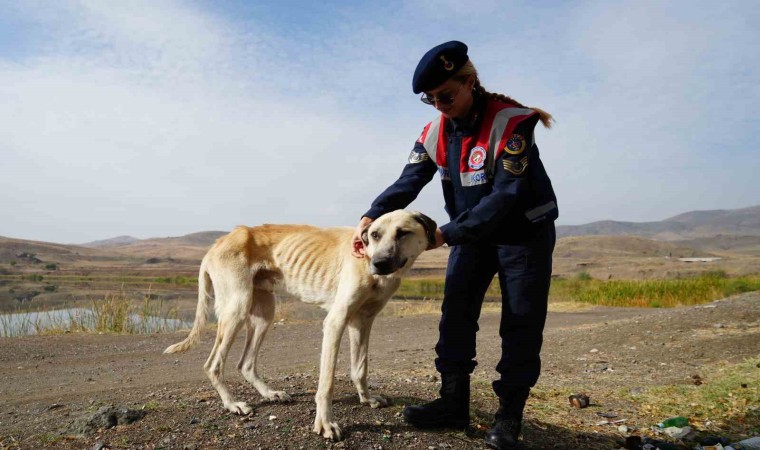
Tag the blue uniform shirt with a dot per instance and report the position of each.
(505, 204)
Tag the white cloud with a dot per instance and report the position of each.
(163, 118)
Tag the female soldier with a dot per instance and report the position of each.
(502, 209)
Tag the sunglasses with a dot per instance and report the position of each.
(443, 99)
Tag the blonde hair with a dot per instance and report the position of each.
(469, 69)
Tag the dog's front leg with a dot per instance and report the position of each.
(332, 330)
(359, 328)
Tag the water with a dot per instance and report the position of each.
(25, 324)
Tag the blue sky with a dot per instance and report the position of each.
(162, 118)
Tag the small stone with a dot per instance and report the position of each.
(272, 417)
(594, 350)
(99, 446)
(623, 428)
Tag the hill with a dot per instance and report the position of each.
(690, 225)
(189, 247)
(20, 250)
(620, 247)
(113, 242)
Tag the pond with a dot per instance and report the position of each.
(83, 319)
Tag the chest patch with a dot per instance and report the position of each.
(477, 158)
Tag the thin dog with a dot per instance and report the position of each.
(316, 265)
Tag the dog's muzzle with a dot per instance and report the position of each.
(385, 266)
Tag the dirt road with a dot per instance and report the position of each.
(49, 381)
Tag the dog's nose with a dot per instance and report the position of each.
(383, 266)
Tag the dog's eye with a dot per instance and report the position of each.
(375, 235)
(402, 233)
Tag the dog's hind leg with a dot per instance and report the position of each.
(231, 317)
(358, 335)
(259, 321)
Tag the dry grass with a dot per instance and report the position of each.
(727, 400)
(115, 313)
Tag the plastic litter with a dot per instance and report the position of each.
(656, 444)
(677, 432)
(752, 443)
(677, 421)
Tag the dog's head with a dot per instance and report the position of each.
(395, 240)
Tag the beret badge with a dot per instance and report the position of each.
(448, 65)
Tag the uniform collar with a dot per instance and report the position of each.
(473, 118)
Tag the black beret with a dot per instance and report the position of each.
(438, 65)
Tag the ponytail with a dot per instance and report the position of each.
(469, 69)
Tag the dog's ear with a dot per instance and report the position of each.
(428, 224)
(365, 238)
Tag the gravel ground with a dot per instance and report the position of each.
(53, 384)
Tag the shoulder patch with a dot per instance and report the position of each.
(516, 167)
(418, 157)
(515, 144)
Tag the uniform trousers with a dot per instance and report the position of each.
(524, 272)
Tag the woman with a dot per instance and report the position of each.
(502, 209)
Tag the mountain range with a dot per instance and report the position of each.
(687, 234)
(689, 225)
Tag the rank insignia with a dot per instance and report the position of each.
(477, 158)
(515, 145)
(418, 157)
(516, 167)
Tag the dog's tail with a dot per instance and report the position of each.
(201, 313)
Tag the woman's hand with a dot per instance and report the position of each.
(356, 240)
(438, 239)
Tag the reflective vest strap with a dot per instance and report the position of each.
(504, 123)
(431, 138)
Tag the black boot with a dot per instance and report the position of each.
(508, 420)
(451, 410)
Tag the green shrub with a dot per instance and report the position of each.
(583, 276)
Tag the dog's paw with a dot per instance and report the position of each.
(327, 429)
(241, 408)
(278, 396)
